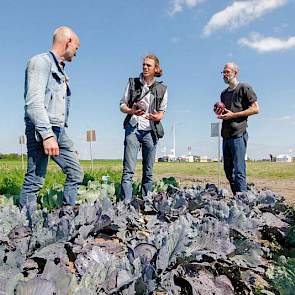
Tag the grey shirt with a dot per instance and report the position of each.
(236, 100)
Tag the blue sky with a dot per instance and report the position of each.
(193, 39)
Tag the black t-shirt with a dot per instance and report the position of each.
(237, 100)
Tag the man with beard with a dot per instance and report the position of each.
(240, 102)
(47, 98)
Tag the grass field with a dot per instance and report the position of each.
(254, 169)
(11, 174)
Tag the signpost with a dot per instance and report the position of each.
(215, 132)
(189, 148)
(91, 137)
(22, 140)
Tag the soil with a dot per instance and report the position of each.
(282, 187)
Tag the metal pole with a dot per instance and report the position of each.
(174, 141)
(91, 155)
(219, 159)
(22, 155)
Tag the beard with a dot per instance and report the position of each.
(69, 55)
(228, 79)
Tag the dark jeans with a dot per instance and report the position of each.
(234, 152)
(37, 166)
(135, 138)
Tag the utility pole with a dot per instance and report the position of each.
(215, 132)
(90, 137)
(173, 141)
(22, 141)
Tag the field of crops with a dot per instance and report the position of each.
(11, 174)
(170, 242)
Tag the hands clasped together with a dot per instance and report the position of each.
(222, 112)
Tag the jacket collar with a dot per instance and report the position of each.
(57, 66)
(144, 83)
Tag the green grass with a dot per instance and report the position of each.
(265, 170)
(271, 170)
(254, 169)
(11, 174)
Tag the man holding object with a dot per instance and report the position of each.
(47, 97)
(239, 101)
(144, 102)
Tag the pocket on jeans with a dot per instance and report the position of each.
(245, 137)
(65, 142)
(129, 129)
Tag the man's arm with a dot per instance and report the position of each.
(124, 104)
(158, 116)
(252, 110)
(125, 109)
(37, 74)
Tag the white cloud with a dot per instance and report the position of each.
(177, 5)
(240, 13)
(285, 119)
(280, 28)
(267, 44)
(175, 39)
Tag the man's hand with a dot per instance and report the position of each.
(131, 111)
(227, 115)
(218, 108)
(136, 112)
(51, 147)
(156, 117)
(252, 110)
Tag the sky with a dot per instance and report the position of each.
(192, 38)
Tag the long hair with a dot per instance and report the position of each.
(158, 70)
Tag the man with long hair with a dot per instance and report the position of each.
(145, 102)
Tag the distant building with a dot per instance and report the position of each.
(196, 158)
(204, 159)
(272, 158)
(284, 158)
(167, 158)
(188, 158)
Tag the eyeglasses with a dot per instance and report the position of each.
(225, 72)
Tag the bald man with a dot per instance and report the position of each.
(47, 98)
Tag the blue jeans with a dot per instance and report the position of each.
(37, 166)
(135, 138)
(234, 151)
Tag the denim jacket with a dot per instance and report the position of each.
(47, 95)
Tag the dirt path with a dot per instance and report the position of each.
(284, 187)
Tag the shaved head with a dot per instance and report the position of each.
(62, 34)
(65, 43)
